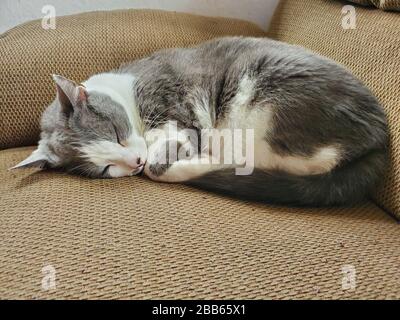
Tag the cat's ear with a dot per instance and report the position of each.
(69, 94)
(37, 159)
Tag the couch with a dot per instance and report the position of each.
(131, 238)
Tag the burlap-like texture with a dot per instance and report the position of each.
(82, 45)
(381, 4)
(132, 238)
(371, 51)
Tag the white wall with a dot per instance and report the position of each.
(14, 12)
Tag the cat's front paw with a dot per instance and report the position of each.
(163, 154)
(155, 171)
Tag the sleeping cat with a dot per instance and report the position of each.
(315, 135)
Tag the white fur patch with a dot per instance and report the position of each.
(200, 101)
(322, 161)
(119, 87)
(239, 104)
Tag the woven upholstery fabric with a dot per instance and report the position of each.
(381, 4)
(371, 52)
(133, 238)
(82, 45)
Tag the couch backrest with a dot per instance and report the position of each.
(382, 4)
(371, 51)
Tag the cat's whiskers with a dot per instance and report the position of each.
(157, 116)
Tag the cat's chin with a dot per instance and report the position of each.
(137, 172)
(116, 172)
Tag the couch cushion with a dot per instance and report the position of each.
(381, 4)
(82, 45)
(133, 238)
(371, 51)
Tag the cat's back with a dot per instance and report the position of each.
(310, 91)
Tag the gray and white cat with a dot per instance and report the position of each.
(318, 135)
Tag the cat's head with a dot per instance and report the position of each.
(87, 133)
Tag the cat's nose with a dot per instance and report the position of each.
(140, 163)
(135, 162)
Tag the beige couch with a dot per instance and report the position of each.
(132, 238)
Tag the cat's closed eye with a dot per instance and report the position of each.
(117, 136)
(105, 170)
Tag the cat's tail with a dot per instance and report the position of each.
(346, 184)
